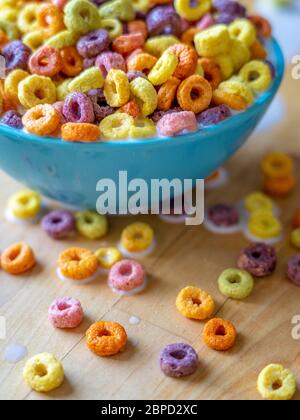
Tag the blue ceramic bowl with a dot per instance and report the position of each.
(69, 172)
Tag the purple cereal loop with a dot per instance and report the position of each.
(225, 18)
(213, 116)
(12, 119)
(78, 108)
(89, 62)
(223, 215)
(94, 43)
(179, 359)
(102, 112)
(97, 96)
(293, 271)
(58, 224)
(259, 259)
(230, 7)
(16, 55)
(164, 20)
(110, 60)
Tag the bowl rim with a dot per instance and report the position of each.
(232, 122)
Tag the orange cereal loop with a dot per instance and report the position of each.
(77, 263)
(50, 19)
(258, 51)
(219, 334)
(195, 303)
(188, 36)
(277, 165)
(194, 94)
(212, 72)
(138, 26)
(125, 44)
(72, 62)
(167, 94)
(262, 25)
(17, 259)
(106, 338)
(41, 120)
(279, 187)
(3, 39)
(232, 100)
(80, 132)
(296, 219)
(141, 62)
(187, 60)
(131, 108)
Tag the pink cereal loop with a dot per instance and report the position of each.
(206, 21)
(65, 312)
(126, 275)
(172, 124)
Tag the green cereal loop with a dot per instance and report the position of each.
(36, 90)
(62, 90)
(237, 86)
(113, 26)
(91, 225)
(89, 79)
(239, 53)
(236, 284)
(62, 40)
(257, 74)
(158, 44)
(10, 29)
(145, 94)
(120, 9)
(81, 16)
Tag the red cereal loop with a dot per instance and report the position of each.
(46, 61)
(187, 60)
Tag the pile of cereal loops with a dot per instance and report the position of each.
(90, 70)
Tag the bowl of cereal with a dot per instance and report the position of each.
(171, 94)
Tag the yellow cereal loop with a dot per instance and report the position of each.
(195, 303)
(225, 63)
(62, 40)
(199, 70)
(141, 5)
(89, 79)
(116, 88)
(81, 16)
(62, 90)
(244, 30)
(239, 52)
(9, 14)
(27, 19)
(43, 373)
(263, 224)
(113, 26)
(36, 90)
(158, 44)
(258, 201)
(276, 383)
(257, 74)
(11, 83)
(194, 11)
(212, 41)
(145, 94)
(116, 126)
(295, 238)
(25, 204)
(120, 9)
(163, 69)
(143, 127)
(108, 256)
(238, 87)
(137, 237)
(34, 40)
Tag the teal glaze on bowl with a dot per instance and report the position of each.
(69, 172)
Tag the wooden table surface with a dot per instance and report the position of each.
(184, 256)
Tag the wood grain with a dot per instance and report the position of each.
(183, 256)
